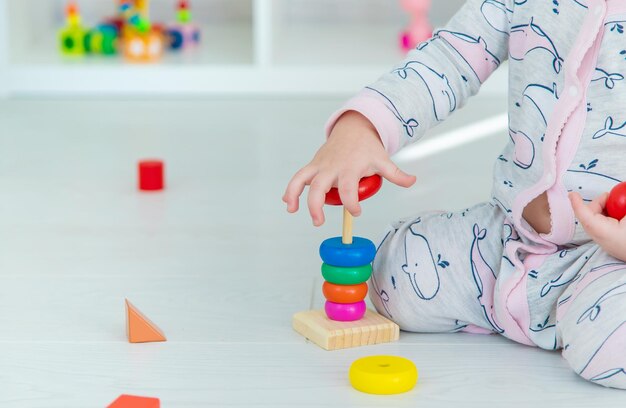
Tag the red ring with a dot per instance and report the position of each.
(368, 186)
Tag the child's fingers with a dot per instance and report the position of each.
(391, 172)
(349, 193)
(296, 187)
(600, 203)
(595, 206)
(317, 195)
(583, 213)
(590, 216)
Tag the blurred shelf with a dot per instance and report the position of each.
(266, 51)
(224, 44)
(337, 45)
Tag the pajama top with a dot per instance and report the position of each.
(567, 108)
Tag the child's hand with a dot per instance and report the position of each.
(352, 151)
(607, 232)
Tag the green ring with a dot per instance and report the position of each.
(346, 275)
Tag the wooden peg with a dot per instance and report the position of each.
(346, 236)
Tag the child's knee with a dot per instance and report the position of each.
(604, 363)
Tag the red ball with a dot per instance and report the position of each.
(616, 203)
(151, 175)
(368, 186)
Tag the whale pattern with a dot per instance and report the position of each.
(588, 183)
(524, 149)
(441, 93)
(594, 310)
(543, 98)
(614, 23)
(609, 79)
(609, 360)
(484, 278)
(497, 15)
(561, 280)
(526, 38)
(474, 51)
(611, 129)
(594, 274)
(410, 125)
(420, 266)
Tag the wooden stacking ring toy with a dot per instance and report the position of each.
(344, 293)
(348, 261)
(383, 375)
(345, 312)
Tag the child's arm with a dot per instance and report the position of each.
(607, 232)
(432, 82)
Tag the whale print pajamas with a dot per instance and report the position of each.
(485, 269)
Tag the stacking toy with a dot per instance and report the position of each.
(184, 34)
(72, 36)
(102, 40)
(616, 202)
(419, 28)
(347, 259)
(347, 266)
(141, 42)
(383, 375)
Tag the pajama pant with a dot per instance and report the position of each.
(441, 272)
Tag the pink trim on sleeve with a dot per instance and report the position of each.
(371, 106)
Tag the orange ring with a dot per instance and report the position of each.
(344, 293)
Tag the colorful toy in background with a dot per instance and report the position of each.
(184, 34)
(72, 36)
(130, 33)
(419, 29)
(103, 40)
(141, 42)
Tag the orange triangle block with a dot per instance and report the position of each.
(133, 401)
(139, 329)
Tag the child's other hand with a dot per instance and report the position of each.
(607, 232)
(352, 151)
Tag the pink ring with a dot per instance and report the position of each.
(345, 312)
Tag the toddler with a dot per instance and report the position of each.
(539, 262)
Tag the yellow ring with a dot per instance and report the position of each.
(383, 375)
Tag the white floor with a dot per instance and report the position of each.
(216, 262)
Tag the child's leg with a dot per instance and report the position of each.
(437, 272)
(592, 321)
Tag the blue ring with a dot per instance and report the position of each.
(334, 252)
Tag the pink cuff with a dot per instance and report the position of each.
(371, 106)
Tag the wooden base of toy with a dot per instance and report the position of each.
(332, 335)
